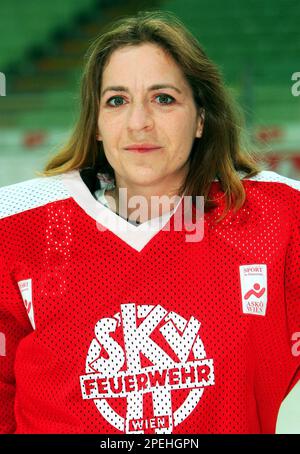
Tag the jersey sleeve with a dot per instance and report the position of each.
(14, 326)
(292, 290)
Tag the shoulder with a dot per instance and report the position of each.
(29, 194)
(272, 189)
(273, 185)
(272, 179)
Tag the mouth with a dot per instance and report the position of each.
(143, 150)
(145, 147)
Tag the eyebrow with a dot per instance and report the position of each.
(153, 87)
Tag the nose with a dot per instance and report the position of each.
(139, 116)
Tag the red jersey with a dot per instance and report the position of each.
(107, 327)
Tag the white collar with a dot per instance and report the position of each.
(136, 236)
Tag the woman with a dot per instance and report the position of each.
(114, 327)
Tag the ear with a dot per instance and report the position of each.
(98, 136)
(200, 123)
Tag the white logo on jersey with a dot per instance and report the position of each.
(254, 289)
(26, 292)
(162, 354)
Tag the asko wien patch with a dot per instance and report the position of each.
(254, 288)
(26, 292)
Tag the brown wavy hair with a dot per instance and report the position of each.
(217, 154)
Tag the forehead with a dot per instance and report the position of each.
(147, 60)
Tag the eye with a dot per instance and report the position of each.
(118, 100)
(113, 98)
(164, 97)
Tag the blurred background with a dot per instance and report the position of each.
(256, 44)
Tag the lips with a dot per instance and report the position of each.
(142, 148)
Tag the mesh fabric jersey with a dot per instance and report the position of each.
(107, 327)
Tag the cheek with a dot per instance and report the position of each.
(182, 136)
(182, 133)
(109, 126)
(109, 117)
(182, 122)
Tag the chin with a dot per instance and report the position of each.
(144, 177)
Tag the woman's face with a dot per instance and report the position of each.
(133, 111)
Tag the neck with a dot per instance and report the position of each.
(142, 203)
